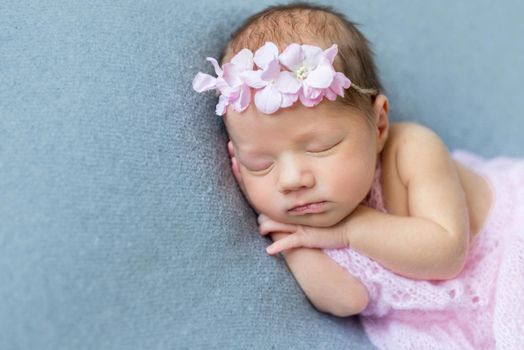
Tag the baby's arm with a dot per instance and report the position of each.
(327, 285)
(432, 240)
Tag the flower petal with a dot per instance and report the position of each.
(215, 64)
(204, 82)
(288, 99)
(331, 53)
(340, 82)
(243, 60)
(292, 57)
(253, 78)
(266, 54)
(233, 94)
(330, 94)
(243, 99)
(311, 54)
(310, 102)
(223, 86)
(310, 92)
(268, 100)
(287, 83)
(271, 71)
(231, 75)
(321, 77)
(221, 105)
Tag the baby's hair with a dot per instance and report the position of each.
(306, 23)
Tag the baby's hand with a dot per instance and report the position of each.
(288, 236)
(267, 225)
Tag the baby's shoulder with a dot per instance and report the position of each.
(406, 131)
(404, 136)
(410, 145)
(414, 159)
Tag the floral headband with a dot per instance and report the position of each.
(310, 77)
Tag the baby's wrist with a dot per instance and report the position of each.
(348, 225)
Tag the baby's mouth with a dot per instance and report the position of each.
(308, 208)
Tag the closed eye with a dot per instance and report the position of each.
(325, 148)
(260, 171)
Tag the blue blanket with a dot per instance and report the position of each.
(121, 226)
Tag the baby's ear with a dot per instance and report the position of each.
(380, 112)
(235, 168)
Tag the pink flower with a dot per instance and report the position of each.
(232, 88)
(310, 78)
(313, 69)
(276, 88)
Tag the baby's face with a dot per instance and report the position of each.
(300, 155)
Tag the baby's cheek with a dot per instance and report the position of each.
(259, 195)
(350, 182)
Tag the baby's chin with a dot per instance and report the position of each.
(325, 219)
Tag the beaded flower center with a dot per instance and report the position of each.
(301, 73)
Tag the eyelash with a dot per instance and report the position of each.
(325, 149)
(260, 172)
(268, 169)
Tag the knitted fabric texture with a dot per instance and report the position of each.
(481, 307)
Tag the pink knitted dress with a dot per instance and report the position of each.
(483, 307)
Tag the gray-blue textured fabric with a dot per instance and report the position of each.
(120, 224)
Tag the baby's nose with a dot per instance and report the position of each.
(293, 175)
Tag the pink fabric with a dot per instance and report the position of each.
(483, 307)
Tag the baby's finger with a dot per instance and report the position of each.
(289, 242)
(269, 226)
(261, 218)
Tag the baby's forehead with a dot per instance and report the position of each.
(249, 131)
